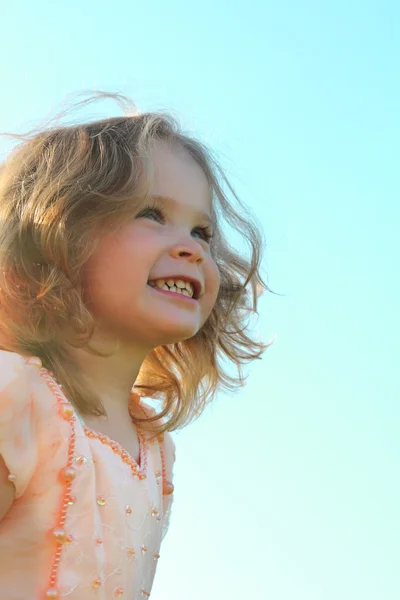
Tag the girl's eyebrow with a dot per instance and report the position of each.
(173, 201)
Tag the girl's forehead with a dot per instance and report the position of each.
(177, 175)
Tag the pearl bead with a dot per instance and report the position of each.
(97, 582)
(69, 474)
(11, 478)
(52, 593)
(168, 488)
(67, 410)
(59, 534)
(34, 361)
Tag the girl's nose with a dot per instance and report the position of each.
(192, 251)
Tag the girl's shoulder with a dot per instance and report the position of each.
(20, 382)
(19, 376)
(12, 366)
(20, 416)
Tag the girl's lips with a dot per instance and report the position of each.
(174, 295)
(197, 286)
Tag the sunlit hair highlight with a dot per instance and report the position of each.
(60, 188)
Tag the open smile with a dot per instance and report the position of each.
(174, 295)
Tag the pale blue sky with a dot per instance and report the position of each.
(289, 489)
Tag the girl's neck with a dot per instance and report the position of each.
(110, 378)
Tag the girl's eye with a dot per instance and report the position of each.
(155, 210)
(205, 232)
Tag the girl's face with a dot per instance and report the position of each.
(151, 247)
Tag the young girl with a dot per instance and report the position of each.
(116, 284)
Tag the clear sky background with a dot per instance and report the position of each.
(288, 489)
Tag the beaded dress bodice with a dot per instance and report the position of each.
(87, 521)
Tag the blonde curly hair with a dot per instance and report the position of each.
(58, 188)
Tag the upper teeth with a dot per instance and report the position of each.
(174, 285)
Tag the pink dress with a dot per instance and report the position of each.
(87, 521)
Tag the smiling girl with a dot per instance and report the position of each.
(117, 283)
